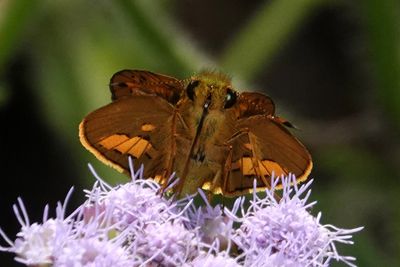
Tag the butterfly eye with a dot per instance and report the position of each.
(230, 98)
(190, 89)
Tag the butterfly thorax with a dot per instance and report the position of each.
(207, 119)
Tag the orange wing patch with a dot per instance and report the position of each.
(135, 146)
(271, 167)
(113, 141)
(128, 145)
(265, 167)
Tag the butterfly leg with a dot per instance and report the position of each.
(169, 182)
(255, 161)
(214, 184)
(227, 166)
(237, 135)
(226, 170)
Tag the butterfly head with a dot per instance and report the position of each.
(211, 91)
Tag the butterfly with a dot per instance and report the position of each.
(201, 128)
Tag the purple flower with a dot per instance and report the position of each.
(213, 224)
(283, 232)
(36, 243)
(151, 226)
(165, 244)
(134, 202)
(133, 225)
(211, 260)
(92, 251)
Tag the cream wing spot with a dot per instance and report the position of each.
(148, 127)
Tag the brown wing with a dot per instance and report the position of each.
(263, 146)
(126, 83)
(253, 103)
(141, 127)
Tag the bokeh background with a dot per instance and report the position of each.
(332, 67)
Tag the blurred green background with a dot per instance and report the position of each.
(332, 67)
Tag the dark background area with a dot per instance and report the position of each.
(332, 68)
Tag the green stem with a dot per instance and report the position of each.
(382, 20)
(259, 40)
(159, 42)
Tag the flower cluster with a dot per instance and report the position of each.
(283, 233)
(132, 225)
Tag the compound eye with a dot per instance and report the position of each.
(230, 98)
(191, 88)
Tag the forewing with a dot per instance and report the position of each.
(253, 103)
(140, 127)
(264, 147)
(126, 83)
